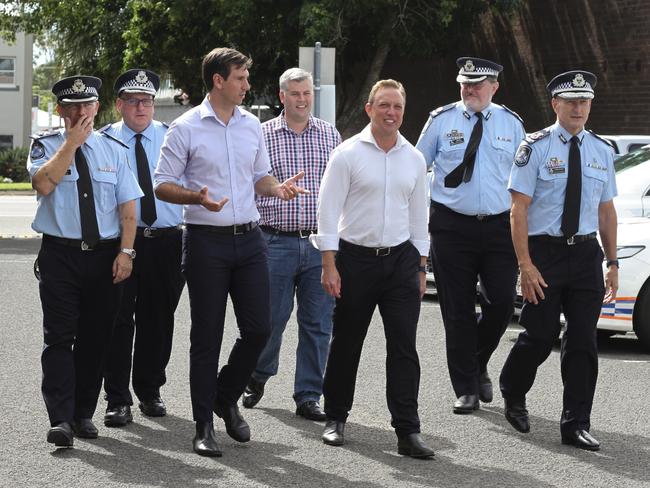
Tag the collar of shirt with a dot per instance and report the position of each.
(282, 123)
(469, 113)
(129, 134)
(565, 136)
(206, 110)
(366, 136)
(90, 142)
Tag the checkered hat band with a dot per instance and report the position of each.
(569, 87)
(479, 71)
(134, 84)
(89, 90)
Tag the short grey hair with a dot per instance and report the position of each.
(294, 74)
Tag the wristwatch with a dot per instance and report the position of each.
(613, 262)
(129, 252)
(422, 269)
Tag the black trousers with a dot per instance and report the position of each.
(575, 287)
(79, 303)
(465, 250)
(151, 294)
(390, 282)
(216, 266)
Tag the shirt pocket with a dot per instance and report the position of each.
(449, 157)
(552, 181)
(66, 193)
(505, 151)
(104, 185)
(594, 184)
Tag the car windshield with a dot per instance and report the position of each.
(632, 159)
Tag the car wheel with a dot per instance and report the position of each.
(642, 316)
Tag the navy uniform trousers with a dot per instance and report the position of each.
(79, 303)
(390, 282)
(463, 249)
(151, 293)
(575, 281)
(215, 266)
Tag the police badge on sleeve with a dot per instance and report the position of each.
(37, 151)
(523, 155)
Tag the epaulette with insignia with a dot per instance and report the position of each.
(609, 143)
(113, 138)
(43, 134)
(104, 129)
(512, 112)
(537, 136)
(440, 110)
(165, 125)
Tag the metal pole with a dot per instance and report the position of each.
(316, 73)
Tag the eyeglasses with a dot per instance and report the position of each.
(134, 102)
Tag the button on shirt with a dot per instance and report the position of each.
(168, 214)
(373, 198)
(229, 159)
(291, 153)
(113, 183)
(544, 179)
(443, 142)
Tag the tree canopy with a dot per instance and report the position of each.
(104, 37)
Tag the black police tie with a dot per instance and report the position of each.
(87, 216)
(571, 213)
(147, 202)
(463, 172)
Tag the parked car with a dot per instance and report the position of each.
(628, 143)
(633, 184)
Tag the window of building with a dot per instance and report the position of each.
(6, 142)
(7, 71)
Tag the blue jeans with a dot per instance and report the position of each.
(295, 268)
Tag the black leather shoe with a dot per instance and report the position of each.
(466, 404)
(333, 434)
(517, 415)
(154, 407)
(253, 393)
(117, 416)
(61, 435)
(413, 445)
(236, 426)
(85, 429)
(311, 411)
(581, 439)
(205, 441)
(485, 388)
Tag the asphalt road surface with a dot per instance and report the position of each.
(285, 450)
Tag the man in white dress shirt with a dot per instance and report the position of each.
(372, 234)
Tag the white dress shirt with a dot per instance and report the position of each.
(373, 198)
(229, 159)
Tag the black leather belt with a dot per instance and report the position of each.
(480, 217)
(79, 244)
(302, 233)
(368, 251)
(233, 230)
(563, 240)
(152, 232)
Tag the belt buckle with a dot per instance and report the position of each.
(147, 232)
(571, 241)
(236, 232)
(382, 251)
(85, 247)
(305, 235)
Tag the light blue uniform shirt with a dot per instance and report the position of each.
(443, 142)
(113, 183)
(167, 214)
(540, 172)
(229, 159)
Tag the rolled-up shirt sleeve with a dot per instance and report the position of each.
(418, 212)
(331, 199)
(173, 156)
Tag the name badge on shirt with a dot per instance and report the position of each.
(504, 139)
(555, 166)
(69, 172)
(107, 170)
(596, 165)
(455, 137)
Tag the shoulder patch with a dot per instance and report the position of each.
(537, 136)
(113, 138)
(515, 114)
(602, 139)
(37, 150)
(443, 109)
(522, 156)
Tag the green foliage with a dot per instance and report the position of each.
(13, 164)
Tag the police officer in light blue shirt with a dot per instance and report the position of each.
(471, 144)
(152, 292)
(86, 212)
(562, 186)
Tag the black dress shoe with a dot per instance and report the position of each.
(466, 404)
(61, 435)
(581, 439)
(205, 441)
(517, 415)
(333, 434)
(236, 426)
(253, 393)
(413, 445)
(85, 429)
(311, 411)
(117, 416)
(154, 407)
(485, 388)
